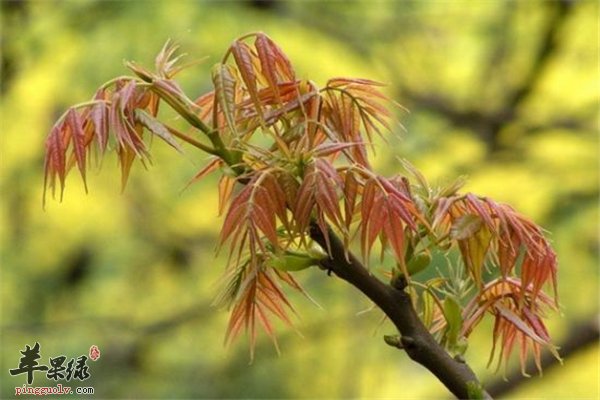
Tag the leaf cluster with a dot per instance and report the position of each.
(293, 154)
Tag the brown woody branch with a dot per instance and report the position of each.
(416, 340)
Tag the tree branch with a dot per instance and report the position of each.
(559, 12)
(416, 340)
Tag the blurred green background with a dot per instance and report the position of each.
(503, 92)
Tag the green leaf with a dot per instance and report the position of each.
(428, 308)
(224, 81)
(316, 252)
(418, 262)
(474, 250)
(453, 314)
(291, 261)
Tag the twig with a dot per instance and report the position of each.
(416, 340)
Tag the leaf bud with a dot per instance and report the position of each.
(291, 261)
(418, 262)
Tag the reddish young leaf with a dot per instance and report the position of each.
(343, 119)
(517, 311)
(329, 148)
(255, 296)
(55, 163)
(480, 208)
(126, 158)
(124, 132)
(338, 82)
(538, 269)
(508, 251)
(351, 187)
(226, 185)
(283, 65)
(289, 185)
(75, 125)
(505, 232)
(214, 164)
(99, 118)
(368, 203)
(243, 56)
(367, 101)
(157, 128)
(275, 115)
(385, 211)
(205, 104)
(268, 63)
(318, 192)
(254, 211)
(441, 215)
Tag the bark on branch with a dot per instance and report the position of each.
(416, 340)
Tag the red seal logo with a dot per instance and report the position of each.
(94, 352)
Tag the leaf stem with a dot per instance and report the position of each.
(119, 78)
(78, 106)
(192, 141)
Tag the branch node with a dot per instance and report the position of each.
(459, 358)
(324, 266)
(408, 342)
(393, 340)
(399, 282)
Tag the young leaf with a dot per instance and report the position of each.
(327, 149)
(268, 63)
(157, 128)
(291, 261)
(274, 57)
(226, 185)
(243, 58)
(55, 163)
(351, 187)
(214, 164)
(255, 295)
(73, 121)
(454, 321)
(126, 158)
(465, 226)
(319, 192)
(99, 118)
(385, 211)
(255, 210)
(224, 81)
